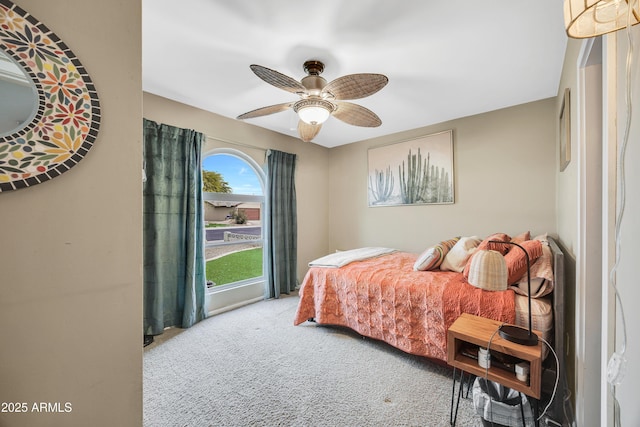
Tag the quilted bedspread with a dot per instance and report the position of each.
(385, 299)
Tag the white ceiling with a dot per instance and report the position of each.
(445, 59)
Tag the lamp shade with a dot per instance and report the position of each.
(592, 18)
(313, 111)
(488, 271)
(313, 115)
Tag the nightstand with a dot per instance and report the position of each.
(469, 333)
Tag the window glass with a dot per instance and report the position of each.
(238, 175)
(233, 214)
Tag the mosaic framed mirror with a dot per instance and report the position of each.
(50, 104)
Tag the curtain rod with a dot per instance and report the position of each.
(241, 144)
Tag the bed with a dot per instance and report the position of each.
(381, 295)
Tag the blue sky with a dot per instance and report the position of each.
(236, 172)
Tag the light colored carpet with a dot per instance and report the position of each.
(252, 367)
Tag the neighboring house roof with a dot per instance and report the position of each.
(224, 204)
(229, 204)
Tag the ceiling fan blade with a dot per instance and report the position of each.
(306, 131)
(259, 112)
(278, 80)
(355, 86)
(356, 115)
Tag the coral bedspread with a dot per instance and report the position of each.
(383, 298)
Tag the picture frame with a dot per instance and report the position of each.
(418, 171)
(565, 130)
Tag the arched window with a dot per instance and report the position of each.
(233, 197)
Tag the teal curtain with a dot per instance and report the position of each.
(282, 228)
(174, 268)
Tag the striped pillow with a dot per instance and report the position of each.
(488, 271)
(431, 258)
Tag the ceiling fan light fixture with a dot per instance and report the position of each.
(313, 111)
(592, 18)
(321, 99)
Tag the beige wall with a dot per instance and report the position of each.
(567, 211)
(580, 214)
(71, 254)
(504, 182)
(312, 165)
(567, 180)
(595, 295)
(485, 146)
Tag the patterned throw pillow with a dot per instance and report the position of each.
(431, 258)
(460, 253)
(517, 261)
(542, 278)
(488, 271)
(500, 237)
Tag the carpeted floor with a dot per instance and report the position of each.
(252, 367)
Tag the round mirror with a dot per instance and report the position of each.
(49, 107)
(18, 96)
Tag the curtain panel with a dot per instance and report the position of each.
(283, 223)
(174, 267)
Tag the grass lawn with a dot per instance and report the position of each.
(235, 266)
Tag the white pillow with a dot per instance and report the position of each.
(433, 257)
(426, 259)
(457, 257)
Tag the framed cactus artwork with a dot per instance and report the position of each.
(413, 172)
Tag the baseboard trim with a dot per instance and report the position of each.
(234, 306)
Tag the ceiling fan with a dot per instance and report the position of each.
(320, 99)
